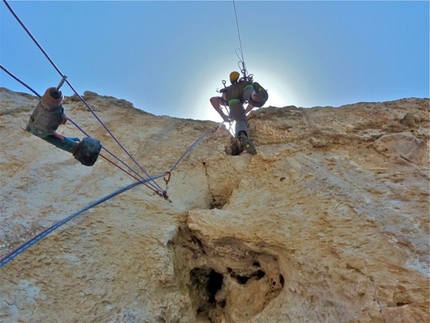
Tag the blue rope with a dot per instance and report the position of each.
(162, 193)
(46, 232)
(79, 96)
(4, 260)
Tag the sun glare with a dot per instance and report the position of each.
(279, 92)
(278, 89)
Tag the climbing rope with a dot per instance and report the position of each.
(18, 80)
(238, 31)
(14, 253)
(166, 176)
(241, 58)
(158, 188)
(149, 185)
(137, 177)
(194, 144)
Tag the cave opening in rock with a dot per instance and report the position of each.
(226, 279)
(206, 283)
(217, 203)
(234, 149)
(242, 280)
(214, 285)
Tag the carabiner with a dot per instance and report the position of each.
(168, 177)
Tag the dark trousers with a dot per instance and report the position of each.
(237, 113)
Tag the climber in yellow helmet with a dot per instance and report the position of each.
(240, 91)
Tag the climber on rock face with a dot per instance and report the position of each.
(240, 91)
(44, 121)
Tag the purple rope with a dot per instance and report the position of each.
(83, 131)
(18, 80)
(194, 144)
(73, 89)
(114, 156)
(161, 191)
(112, 135)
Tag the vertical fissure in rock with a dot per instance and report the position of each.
(218, 198)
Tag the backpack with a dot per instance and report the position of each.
(261, 93)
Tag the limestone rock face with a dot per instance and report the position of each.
(329, 222)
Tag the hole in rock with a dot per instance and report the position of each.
(234, 149)
(227, 280)
(217, 203)
(260, 274)
(401, 304)
(222, 303)
(244, 279)
(207, 282)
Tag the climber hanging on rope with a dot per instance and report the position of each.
(45, 119)
(242, 90)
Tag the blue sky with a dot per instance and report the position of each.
(169, 57)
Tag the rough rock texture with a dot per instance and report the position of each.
(329, 222)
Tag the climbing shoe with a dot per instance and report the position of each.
(247, 143)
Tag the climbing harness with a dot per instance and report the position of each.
(238, 93)
(239, 54)
(258, 89)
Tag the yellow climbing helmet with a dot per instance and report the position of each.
(234, 77)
